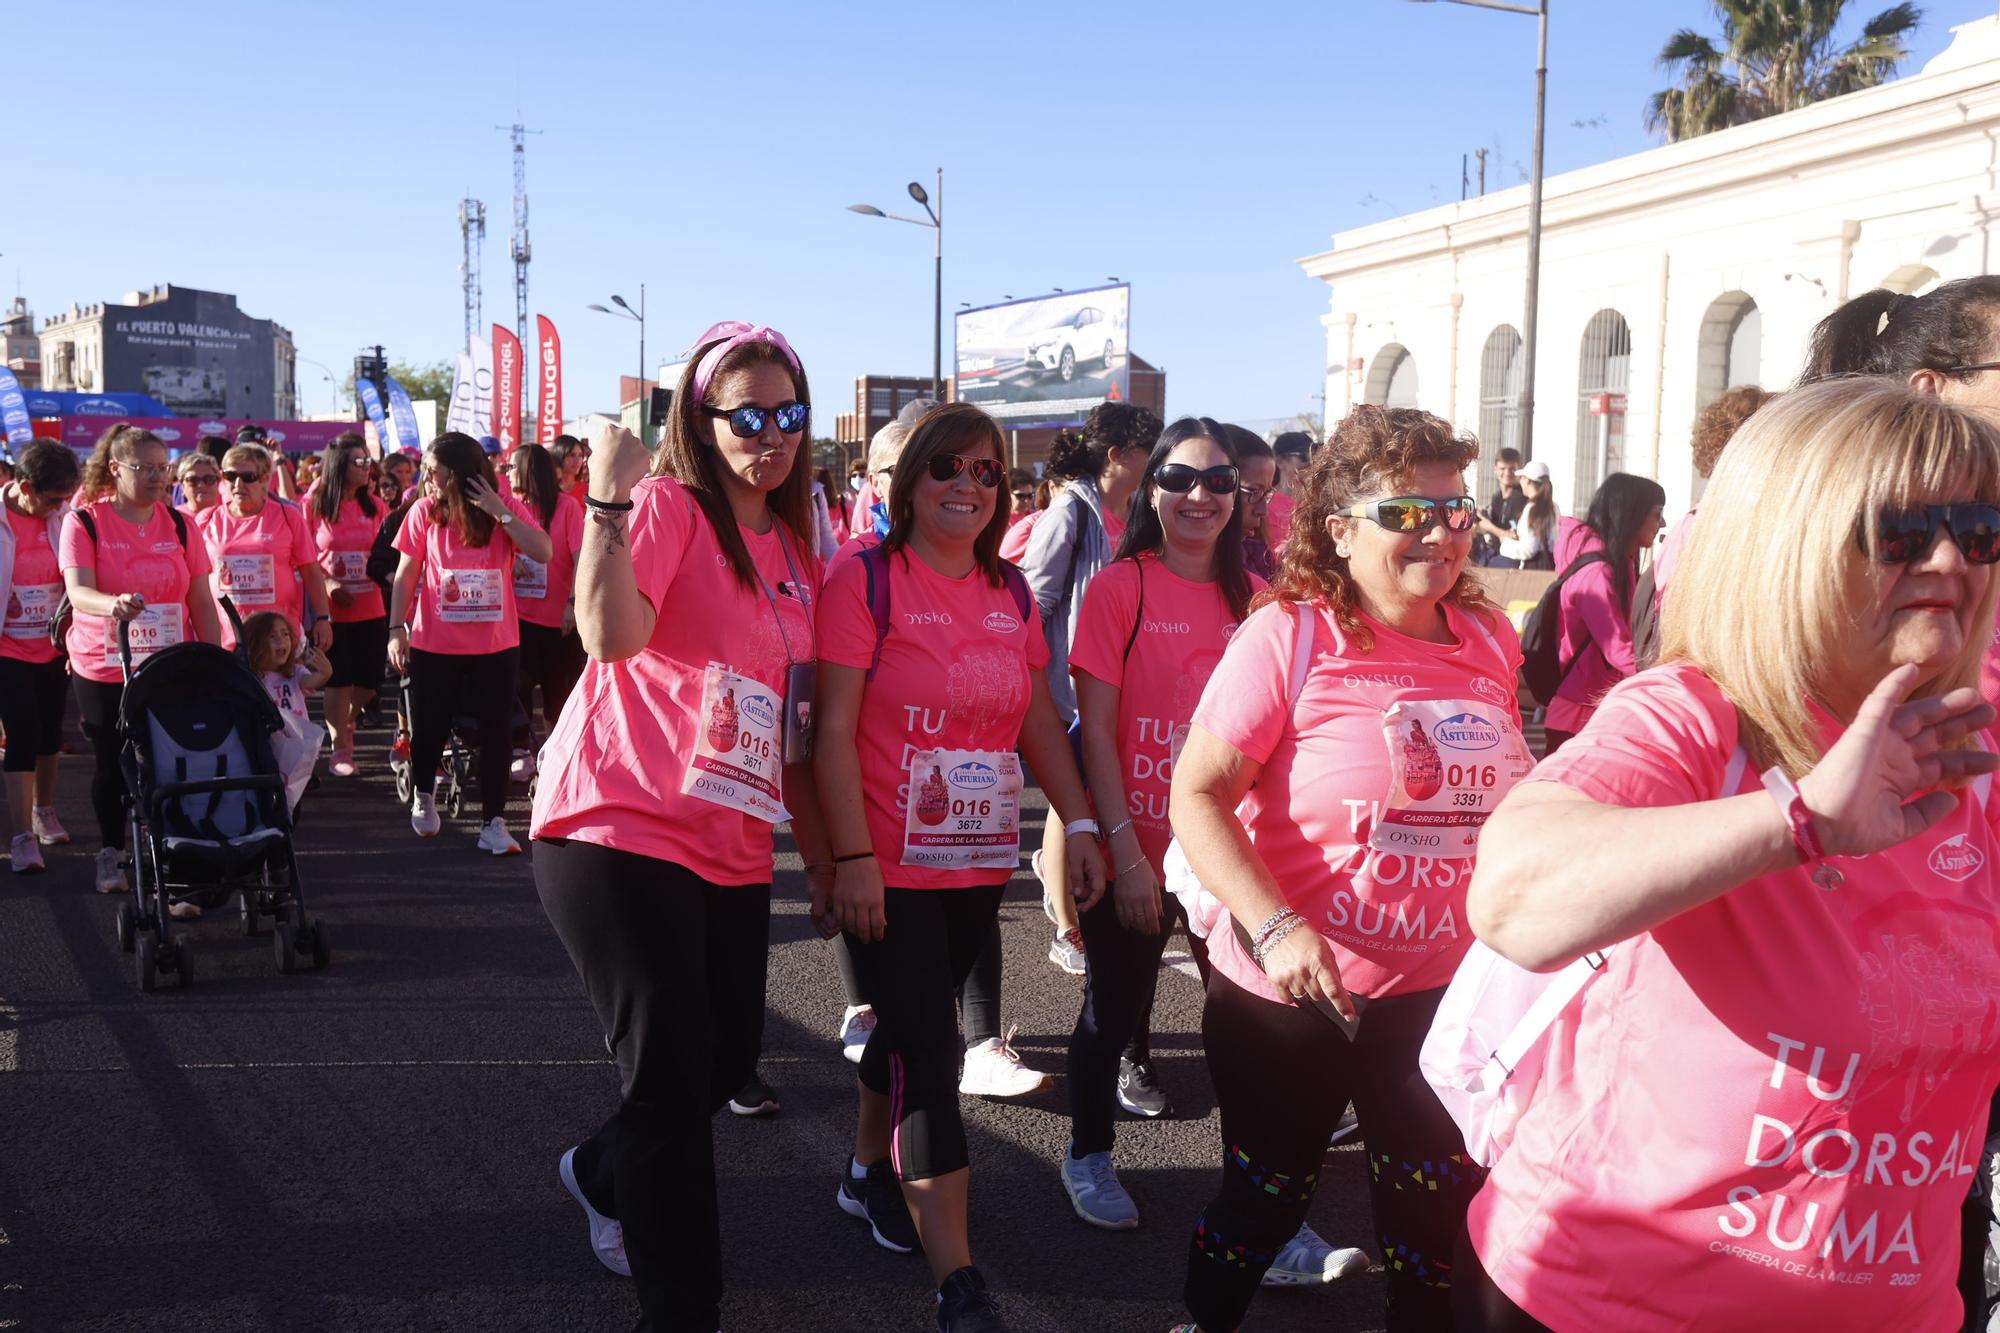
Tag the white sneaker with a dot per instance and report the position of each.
(1095, 1193)
(523, 766)
(1308, 1261)
(110, 875)
(992, 1069)
(496, 839)
(607, 1238)
(855, 1025)
(48, 829)
(1066, 951)
(424, 815)
(25, 853)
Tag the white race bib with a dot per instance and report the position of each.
(1451, 761)
(350, 570)
(470, 596)
(963, 811)
(29, 608)
(249, 580)
(531, 578)
(739, 753)
(154, 628)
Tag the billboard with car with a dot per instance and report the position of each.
(1048, 360)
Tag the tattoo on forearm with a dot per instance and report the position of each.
(614, 525)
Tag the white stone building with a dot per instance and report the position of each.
(1670, 275)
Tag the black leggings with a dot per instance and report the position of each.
(674, 967)
(32, 695)
(1283, 1075)
(933, 937)
(475, 685)
(1480, 1307)
(552, 660)
(978, 994)
(97, 705)
(1122, 967)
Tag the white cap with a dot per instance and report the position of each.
(1536, 469)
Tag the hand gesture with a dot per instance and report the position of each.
(1864, 794)
(857, 899)
(127, 606)
(1302, 966)
(618, 460)
(1136, 896)
(399, 653)
(1087, 876)
(819, 892)
(322, 635)
(340, 596)
(483, 497)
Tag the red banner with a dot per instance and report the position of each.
(507, 371)
(549, 420)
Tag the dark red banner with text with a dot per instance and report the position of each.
(507, 375)
(549, 419)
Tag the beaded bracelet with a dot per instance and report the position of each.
(1262, 948)
(1271, 923)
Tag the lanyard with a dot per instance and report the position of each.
(772, 597)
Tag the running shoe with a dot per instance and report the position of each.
(523, 766)
(1066, 951)
(1348, 1124)
(877, 1199)
(607, 1235)
(48, 829)
(184, 910)
(496, 839)
(754, 1098)
(26, 854)
(399, 749)
(1139, 1090)
(855, 1025)
(965, 1306)
(424, 815)
(110, 874)
(992, 1069)
(343, 765)
(1308, 1261)
(1048, 903)
(1095, 1193)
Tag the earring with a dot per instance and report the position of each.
(1342, 552)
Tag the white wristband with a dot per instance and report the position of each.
(1076, 826)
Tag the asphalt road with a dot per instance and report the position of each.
(374, 1147)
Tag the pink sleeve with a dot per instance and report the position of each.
(1038, 639)
(1597, 606)
(1105, 625)
(198, 561)
(304, 550)
(569, 519)
(1663, 737)
(846, 627)
(78, 550)
(411, 536)
(661, 525)
(1246, 703)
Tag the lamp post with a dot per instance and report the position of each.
(326, 372)
(934, 219)
(1531, 306)
(625, 311)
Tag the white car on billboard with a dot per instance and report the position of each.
(1072, 340)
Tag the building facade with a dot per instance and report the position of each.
(1670, 275)
(877, 400)
(20, 349)
(195, 351)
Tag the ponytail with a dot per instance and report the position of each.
(1890, 333)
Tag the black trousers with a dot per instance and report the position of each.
(475, 685)
(910, 974)
(978, 994)
(1283, 1074)
(97, 707)
(674, 967)
(552, 660)
(1477, 1305)
(32, 696)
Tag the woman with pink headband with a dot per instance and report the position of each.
(686, 740)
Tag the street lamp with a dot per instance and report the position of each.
(933, 219)
(639, 316)
(325, 372)
(1539, 11)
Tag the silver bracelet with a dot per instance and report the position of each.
(1262, 948)
(1271, 923)
(1118, 828)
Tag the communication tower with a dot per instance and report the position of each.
(472, 230)
(518, 245)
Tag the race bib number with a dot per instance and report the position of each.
(738, 759)
(154, 628)
(350, 570)
(531, 578)
(964, 810)
(1451, 760)
(29, 607)
(471, 596)
(249, 580)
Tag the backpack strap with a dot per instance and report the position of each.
(1017, 583)
(1302, 654)
(878, 598)
(1139, 613)
(89, 524)
(180, 525)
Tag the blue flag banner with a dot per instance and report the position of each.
(372, 401)
(63, 403)
(14, 411)
(404, 415)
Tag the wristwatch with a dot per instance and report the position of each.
(506, 517)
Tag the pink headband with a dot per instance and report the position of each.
(733, 334)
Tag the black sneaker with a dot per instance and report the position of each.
(1139, 1091)
(878, 1201)
(965, 1307)
(755, 1098)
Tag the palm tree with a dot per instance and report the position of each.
(1774, 56)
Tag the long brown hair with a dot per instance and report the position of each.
(688, 456)
(122, 442)
(950, 428)
(1374, 450)
(456, 457)
(332, 480)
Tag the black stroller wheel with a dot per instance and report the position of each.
(321, 954)
(184, 962)
(128, 931)
(283, 950)
(146, 963)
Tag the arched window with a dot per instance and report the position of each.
(1604, 371)
(1731, 352)
(1499, 402)
(1392, 377)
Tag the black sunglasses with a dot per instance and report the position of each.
(202, 478)
(243, 478)
(1419, 513)
(1180, 478)
(1905, 535)
(746, 423)
(985, 471)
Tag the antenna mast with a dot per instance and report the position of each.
(472, 229)
(518, 246)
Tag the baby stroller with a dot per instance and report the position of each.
(205, 806)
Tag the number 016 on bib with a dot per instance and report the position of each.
(1453, 760)
(739, 752)
(964, 810)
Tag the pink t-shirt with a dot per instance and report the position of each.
(288, 690)
(953, 675)
(343, 547)
(1186, 627)
(850, 548)
(1768, 1110)
(32, 596)
(542, 591)
(1278, 518)
(255, 561)
(1396, 920)
(612, 768)
(465, 600)
(146, 558)
(1014, 543)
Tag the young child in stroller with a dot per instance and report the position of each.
(292, 670)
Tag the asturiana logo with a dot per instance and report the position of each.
(759, 709)
(974, 776)
(1466, 731)
(1002, 623)
(101, 407)
(1957, 860)
(213, 428)
(1490, 690)
(167, 433)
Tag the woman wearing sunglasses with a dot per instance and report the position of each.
(1767, 1107)
(931, 679)
(1599, 557)
(1330, 794)
(343, 516)
(662, 782)
(34, 679)
(259, 551)
(200, 480)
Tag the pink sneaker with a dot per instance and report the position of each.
(343, 763)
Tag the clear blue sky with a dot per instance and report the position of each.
(310, 158)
